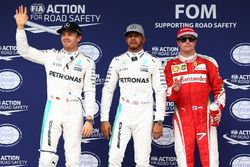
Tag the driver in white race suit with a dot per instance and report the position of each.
(139, 75)
(69, 73)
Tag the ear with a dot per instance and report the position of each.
(178, 43)
(195, 42)
(144, 39)
(79, 38)
(126, 39)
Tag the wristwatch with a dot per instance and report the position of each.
(90, 120)
(159, 122)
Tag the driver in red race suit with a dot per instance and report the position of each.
(190, 79)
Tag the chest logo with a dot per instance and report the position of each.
(179, 68)
(201, 67)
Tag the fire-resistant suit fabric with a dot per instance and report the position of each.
(199, 77)
(139, 75)
(68, 75)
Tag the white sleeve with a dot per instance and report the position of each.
(27, 51)
(108, 89)
(89, 89)
(159, 86)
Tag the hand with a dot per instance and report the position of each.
(87, 129)
(215, 117)
(21, 16)
(177, 84)
(157, 130)
(106, 129)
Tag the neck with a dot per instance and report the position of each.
(71, 49)
(187, 58)
(135, 50)
(187, 54)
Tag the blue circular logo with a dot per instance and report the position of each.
(240, 54)
(240, 160)
(10, 135)
(240, 109)
(10, 80)
(167, 139)
(89, 159)
(91, 50)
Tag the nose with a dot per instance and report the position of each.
(65, 36)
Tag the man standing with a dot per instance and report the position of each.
(139, 74)
(69, 73)
(190, 78)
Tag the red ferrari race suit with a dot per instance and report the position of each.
(200, 76)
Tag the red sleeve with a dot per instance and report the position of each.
(171, 93)
(216, 82)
